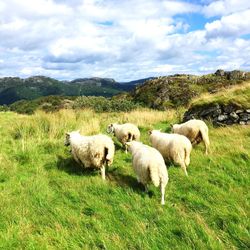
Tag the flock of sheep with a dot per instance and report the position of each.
(98, 151)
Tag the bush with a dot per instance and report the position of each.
(4, 108)
(102, 104)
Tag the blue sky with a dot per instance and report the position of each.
(124, 40)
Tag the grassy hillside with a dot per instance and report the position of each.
(48, 202)
(238, 95)
(180, 89)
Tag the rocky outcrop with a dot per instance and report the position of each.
(220, 114)
(232, 75)
(178, 90)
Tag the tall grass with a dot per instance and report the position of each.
(239, 95)
(49, 202)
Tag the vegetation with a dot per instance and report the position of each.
(101, 104)
(55, 103)
(13, 89)
(48, 201)
(179, 90)
(238, 95)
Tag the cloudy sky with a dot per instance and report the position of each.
(122, 39)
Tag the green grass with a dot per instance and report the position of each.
(48, 202)
(238, 95)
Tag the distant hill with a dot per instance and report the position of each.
(13, 89)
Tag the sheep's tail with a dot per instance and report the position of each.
(154, 175)
(205, 138)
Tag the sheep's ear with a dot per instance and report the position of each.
(67, 133)
(171, 125)
(150, 131)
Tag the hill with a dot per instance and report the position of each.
(13, 89)
(179, 90)
(48, 201)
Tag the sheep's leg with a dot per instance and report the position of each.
(103, 172)
(206, 152)
(162, 194)
(183, 166)
(206, 146)
(146, 188)
(126, 148)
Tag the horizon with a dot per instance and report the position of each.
(66, 39)
(92, 77)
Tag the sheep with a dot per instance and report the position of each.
(173, 147)
(91, 151)
(195, 130)
(124, 132)
(149, 165)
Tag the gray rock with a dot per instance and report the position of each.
(248, 110)
(244, 117)
(242, 123)
(229, 108)
(234, 116)
(229, 122)
(220, 72)
(222, 118)
(211, 110)
(248, 122)
(239, 111)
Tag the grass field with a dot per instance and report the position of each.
(48, 202)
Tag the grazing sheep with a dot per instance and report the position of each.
(173, 147)
(149, 165)
(124, 132)
(195, 130)
(91, 151)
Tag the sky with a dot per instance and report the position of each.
(122, 39)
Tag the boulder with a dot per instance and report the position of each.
(229, 108)
(211, 111)
(239, 111)
(234, 116)
(242, 123)
(222, 118)
(220, 72)
(244, 117)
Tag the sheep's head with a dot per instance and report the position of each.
(151, 131)
(128, 145)
(68, 135)
(67, 139)
(132, 144)
(174, 127)
(110, 128)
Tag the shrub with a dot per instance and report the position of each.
(102, 104)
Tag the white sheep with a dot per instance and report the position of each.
(149, 165)
(195, 130)
(173, 147)
(124, 132)
(91, 151)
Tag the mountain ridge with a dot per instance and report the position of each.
(13, 89)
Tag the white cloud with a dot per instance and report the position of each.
(120, 39)
(225, 7)
(232, 25)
